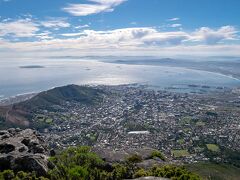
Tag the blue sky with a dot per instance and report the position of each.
(114, 27)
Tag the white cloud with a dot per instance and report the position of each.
(28, 27)
(133, 23)
(174, 19)
(97, 6)
(73, 34)
(18, 28)
(44, 35)
(82, 26)
(137, 41)
(175, 25)
(55, 23)
(166, 38)
(211, 36)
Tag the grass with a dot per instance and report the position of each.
(213, 147)
(49, 120)
(180, 153)
(212, 171)
(200, 123)
(44, 119)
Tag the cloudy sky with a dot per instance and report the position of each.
(30, 28)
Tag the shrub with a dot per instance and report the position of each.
(134, 159)
(76, 163)
(140, 173)
(120, 172)
(157, 154)
(78, 172)
(173, 172)
(10, 175)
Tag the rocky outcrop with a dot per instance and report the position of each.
(120, 156)
(23, 150)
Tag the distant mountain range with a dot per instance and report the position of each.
(229, 67)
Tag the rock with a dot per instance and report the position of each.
(12, 131)
(3, 132)
(23, 150)
(6, 148)
(112, 156)
(52, 152)
(149, 163)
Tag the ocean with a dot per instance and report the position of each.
(26, 75)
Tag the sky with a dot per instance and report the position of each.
(44, 28)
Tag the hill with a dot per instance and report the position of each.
(19, 114)
(215, 171)
(57, 96)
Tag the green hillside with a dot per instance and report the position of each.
(59, 95)
(212, 171)
(21, 114)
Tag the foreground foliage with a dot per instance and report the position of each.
(80, 163)
(10, 175)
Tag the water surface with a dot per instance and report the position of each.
(57, 72)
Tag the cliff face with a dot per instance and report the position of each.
(23, 150)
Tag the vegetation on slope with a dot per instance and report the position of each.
(21, 114)
(83, 94)
(81, 163)
(214, 171)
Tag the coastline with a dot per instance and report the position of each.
(16, 99)
(214, 70)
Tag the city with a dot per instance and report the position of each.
(181, 126)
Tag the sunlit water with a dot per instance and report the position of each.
(15, 80)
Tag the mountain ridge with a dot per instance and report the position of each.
(19, 114)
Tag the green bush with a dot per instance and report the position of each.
(134, 159)
(77, 163)
(140, 173)
(173, 172)
(157, 154)
(80, 163)
(10, 175)
(120, 172)
(78, 172)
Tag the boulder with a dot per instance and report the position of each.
(149, 163)
(119, 156)
(23, 150)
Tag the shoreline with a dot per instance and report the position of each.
(17, 98)
(178, 88)
(214, 71)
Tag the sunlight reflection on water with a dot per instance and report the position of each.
(15, 80)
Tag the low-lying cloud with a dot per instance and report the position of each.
(137, 41)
